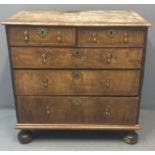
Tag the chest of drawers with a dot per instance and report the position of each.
(77, 70)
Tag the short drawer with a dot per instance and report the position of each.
(110, 36)
(26, 35)
(76, 82)
(80, 110)
(36, 57)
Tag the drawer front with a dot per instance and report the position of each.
(112, 36)
(76, 82)
(90, 110)
(26, 57)
(41, 36)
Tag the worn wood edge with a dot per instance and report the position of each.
(76, 18)
(80, 46)
(74, 25)
(77, 127)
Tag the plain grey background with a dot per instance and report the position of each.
(147, 11)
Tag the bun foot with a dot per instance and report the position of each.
(130, 137)
(25, 136)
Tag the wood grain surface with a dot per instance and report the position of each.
(76, 82)
(91, 110)
(77, 70)
(110, 36)
(109, 58)
(83, 18)
(49, 37)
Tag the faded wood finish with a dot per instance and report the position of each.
(110, 36)
(76, 82)
(75, 110)
(83, 18)
(113, 58)
(77, 70)
(41, 35)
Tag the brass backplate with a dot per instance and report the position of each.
(42, 32)
(111, 33)
(76, 101)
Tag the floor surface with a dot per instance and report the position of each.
(78, 141)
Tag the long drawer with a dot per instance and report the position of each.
(80, 110)
(28, 35)
(110, 36)
(123, 58)
(77, 82)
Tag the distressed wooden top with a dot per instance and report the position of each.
(83, 18)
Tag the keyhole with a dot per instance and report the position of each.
(77, 52)
(111, 33)
(42, 32)
(76, 75)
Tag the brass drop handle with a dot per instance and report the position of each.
(26, 36)
(45, 83)
(108, 58)
(59, 36)
(94, 37)
(76, 75)
(49, 110)
(44, 57)
(107, 112)
(107, 83)
(126, 37)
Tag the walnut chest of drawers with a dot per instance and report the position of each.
(77, 70)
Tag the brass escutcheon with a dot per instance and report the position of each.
(111, 33)
(76, 75)
(42, 32)
(77, 53)
(76, 101)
